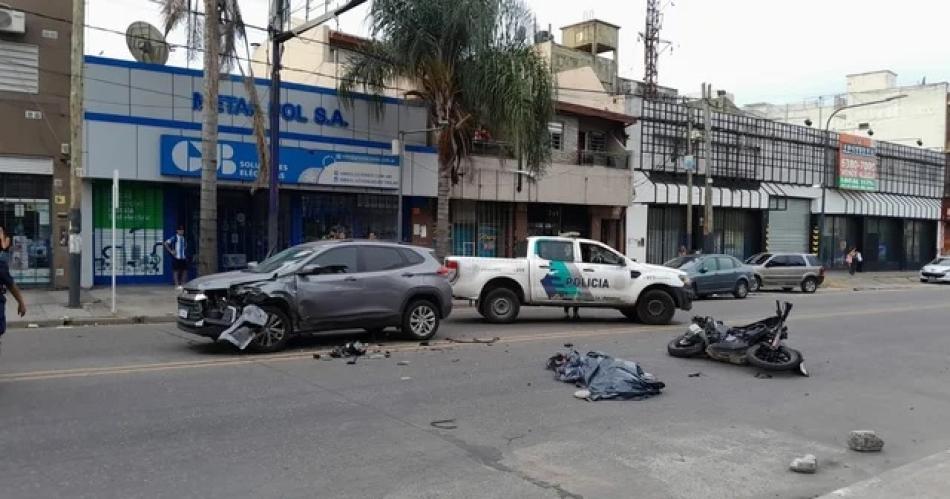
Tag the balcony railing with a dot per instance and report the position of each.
(598, 158)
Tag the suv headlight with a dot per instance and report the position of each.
(685, 280)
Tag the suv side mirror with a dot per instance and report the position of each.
(703, 270)
(310, 269)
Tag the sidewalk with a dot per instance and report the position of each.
(923, 479)
(134, 304)
(868, 281)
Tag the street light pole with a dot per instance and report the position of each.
(828, 159)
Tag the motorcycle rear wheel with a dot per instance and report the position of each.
(780, 359)
(675, 349)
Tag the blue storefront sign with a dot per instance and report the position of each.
(181, 157)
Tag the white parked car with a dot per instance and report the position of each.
(569, 272)
(937, 270)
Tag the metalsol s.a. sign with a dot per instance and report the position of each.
(857, 163)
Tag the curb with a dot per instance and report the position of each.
(91, 321)
(918, 479)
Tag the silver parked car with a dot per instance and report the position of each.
(786, 271)
(326, 285)
(937, 270)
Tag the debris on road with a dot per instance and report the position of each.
(350, 349)
(423, 343)
(402, 363)
(806, 464)
(763, 375)
(405, 378)
(582, 394)
(444, 424)
(695, 374)
(486, 341)
(246, 328)
(316, 356)
(865, 441)
(604, 376)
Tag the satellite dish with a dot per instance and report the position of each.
(146, 43)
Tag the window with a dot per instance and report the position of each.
(19, 68)
(556, 129)
(710, 265)
(795, 260)
(726, 263)
(412, 257)
(758, 259)
(597, 141)
(558, 251)
(779, 261)
(338, 260)
(812, 261)
(380, 258)
(594, 253)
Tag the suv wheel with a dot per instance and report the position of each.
(809, 285)
(501, 306)
(275, 333)
(420, 321)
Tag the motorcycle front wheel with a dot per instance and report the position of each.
(779, 359)
(680, 348)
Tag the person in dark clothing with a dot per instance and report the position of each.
(7, 284)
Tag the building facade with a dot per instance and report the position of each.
(338, 173)
(34, 138)
(783, 187)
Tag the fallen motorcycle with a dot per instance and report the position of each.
(759, 344)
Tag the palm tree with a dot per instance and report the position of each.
(219, 32)
(473, 65)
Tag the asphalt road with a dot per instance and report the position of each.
(147, 411)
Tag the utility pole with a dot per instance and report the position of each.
(75, 152)
(278, 36)
(273, 205)
(689, 181)
(707, 155)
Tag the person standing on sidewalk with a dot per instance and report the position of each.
(851, 259)
(7, 284)
(859, 264)
(177, 247)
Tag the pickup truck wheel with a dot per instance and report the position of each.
(656, 307)
(275, 334)
(501, 306)
(420, 321)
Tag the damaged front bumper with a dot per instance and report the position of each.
(194, 317)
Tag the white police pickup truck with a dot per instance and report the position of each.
(569, 272)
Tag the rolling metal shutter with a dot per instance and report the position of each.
(788, 228)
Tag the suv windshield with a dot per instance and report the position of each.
(758, 259)
(941, 261)
(680, 262)
(289, 256)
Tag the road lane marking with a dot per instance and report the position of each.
(411, 347)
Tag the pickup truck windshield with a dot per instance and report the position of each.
(289, 256)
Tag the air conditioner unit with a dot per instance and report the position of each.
(12, 21)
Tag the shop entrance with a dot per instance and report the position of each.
(25, 216)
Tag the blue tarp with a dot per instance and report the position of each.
(604, 376)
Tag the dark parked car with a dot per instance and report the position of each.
(715, 274)
(322, 286)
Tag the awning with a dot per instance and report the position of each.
(791, 190)
(877, 204)
(648, 191)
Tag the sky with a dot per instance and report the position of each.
(776, 51)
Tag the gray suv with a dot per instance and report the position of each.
(786, 271)
(326, 285)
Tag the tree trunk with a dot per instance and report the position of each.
(442, 225)
(208, 214)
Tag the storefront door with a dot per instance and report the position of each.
(25, 216)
